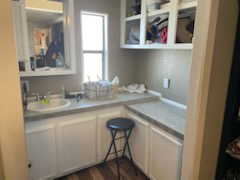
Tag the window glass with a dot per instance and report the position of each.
(92, 32)
(93, 66)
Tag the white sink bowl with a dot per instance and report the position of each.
(54, 104)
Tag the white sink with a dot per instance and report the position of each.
(54, 104)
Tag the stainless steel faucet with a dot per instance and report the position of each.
(37, 96)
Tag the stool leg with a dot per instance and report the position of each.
(109, 150)
(116, 154)
(129, 150)
(125, 145)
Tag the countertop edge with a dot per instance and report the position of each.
(88, 109)
(98, 107)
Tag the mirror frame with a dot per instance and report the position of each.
(69, 42)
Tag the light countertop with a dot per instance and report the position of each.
(86, 105)
(167, 117)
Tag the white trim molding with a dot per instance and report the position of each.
(155, 93)
(168, 101)
(174, 103)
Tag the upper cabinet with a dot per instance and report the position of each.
(157, 24)
(44, 34)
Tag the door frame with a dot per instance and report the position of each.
(12, 136)
(211, 66)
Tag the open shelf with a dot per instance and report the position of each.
(132, 35)
(163, 10)
(150, 33)
(187, 5)
(133, 18)
(185, 25)
(158, 46)
(153, 5)
(157, 30)
(132, 8)
(46, 73)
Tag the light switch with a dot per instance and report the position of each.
(166, 83)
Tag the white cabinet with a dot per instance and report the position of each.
(139, 142)
(41, 146)
(76, 142)
(59, 146)
(165, 156)
(104, 136)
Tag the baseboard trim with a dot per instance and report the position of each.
(174, 103)
(168, 101)
(155, 93)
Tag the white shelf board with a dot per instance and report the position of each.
(43, 11)
(132, 46)
(132, 18)
(46, 73)
(163, 10)
(183, 46)
(187, 5)
(158, 46)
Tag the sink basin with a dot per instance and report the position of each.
(54, 104)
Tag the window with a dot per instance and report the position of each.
(94, 46)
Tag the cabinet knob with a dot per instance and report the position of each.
(29, 164)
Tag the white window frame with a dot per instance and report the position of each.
(104, 52)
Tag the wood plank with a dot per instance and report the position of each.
(127, 167)
(107, 171)
(84, 174)
(73, 177)
(113, 166)
(95, 173)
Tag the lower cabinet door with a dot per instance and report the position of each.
(165, 156)
(41, 146)
(104, 136)
(139, 143)
(77, 142)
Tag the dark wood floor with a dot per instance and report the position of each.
(107, 171)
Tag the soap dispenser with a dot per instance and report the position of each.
(63, 92)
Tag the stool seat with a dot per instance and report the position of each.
(120, 124)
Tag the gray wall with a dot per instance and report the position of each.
(149, 66)
(154, 65)
(121, 62)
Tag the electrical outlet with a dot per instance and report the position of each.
(166, 83)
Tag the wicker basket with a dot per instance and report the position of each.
(100, 90)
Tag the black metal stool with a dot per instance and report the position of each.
(120, 125)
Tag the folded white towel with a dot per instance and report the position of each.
(135, 88)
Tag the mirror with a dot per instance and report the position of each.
(46, 38)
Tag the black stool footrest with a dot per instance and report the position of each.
(119, 138)
(115, 152)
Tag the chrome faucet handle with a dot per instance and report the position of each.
(48, 94)
(37, 96)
